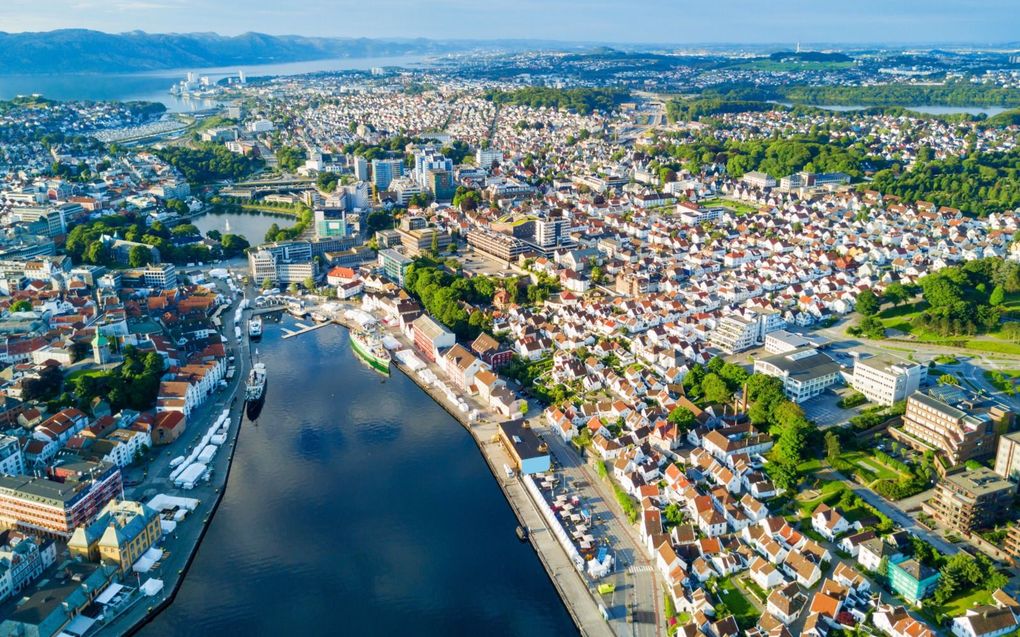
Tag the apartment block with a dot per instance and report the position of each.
(973, 499)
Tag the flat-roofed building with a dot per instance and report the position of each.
(735, 334)
(886, 381)
(958, 433)
(526, 449)
(973, 499)
(781, 341)
(1007, 456)
(54, 508)
(496, 244)
(805, 372)
(394, 265)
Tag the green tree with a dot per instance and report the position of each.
(138, 256)
(896, 293)
(997, 297)
(21, 306)
(715, 389)
(867, 303)
(833, 449)
(683, 418)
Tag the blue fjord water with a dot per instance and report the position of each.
(357, 506)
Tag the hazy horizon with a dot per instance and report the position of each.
(642, 22)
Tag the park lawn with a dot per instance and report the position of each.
(737, 207)
(997, 347)
(86, 372)
(743, 610)
(871, 465)
(830, 494)
(958, 605)
(809, 466)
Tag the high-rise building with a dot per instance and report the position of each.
(12, 462)
(385, 171)
(360, 168)
(485, 157)
(440, 182)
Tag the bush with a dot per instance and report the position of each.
(852, 400)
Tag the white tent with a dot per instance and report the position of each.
(152, 587)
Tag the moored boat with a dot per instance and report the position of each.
(255, 386)
(255, 327)
(370, 348)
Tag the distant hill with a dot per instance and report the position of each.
(85, 51)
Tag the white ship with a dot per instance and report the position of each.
(255, 327)
(255, 387)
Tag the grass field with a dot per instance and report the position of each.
(956, 606)
(743, 610)
(86, 372)
(738, 207)
(872, 465)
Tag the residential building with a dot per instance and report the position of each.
(972, 499)
(805, 372)
(12, 461)
(735, 334)
(886, 381)
(496, 244)
(121, 533)
(986, 621)
(1007, 456)
(757, 179)
(52, 607)
(911, 579)
(385, 171)
(23, 558)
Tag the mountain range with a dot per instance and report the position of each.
(86, 51)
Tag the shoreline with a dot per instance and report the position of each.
(133, 625)
(587, 618)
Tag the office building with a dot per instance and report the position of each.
(944, 421)
(496, 244)
(158, 276)
(805, 372)
(385, 171)
(51, 507)
(417, 237)
(972, 499)
(781, 342)
(394, 265)
(886, 381)
(282, 263)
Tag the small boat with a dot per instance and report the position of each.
(296, 309)
(508, 471)
(522, 533)
(255, 328)
(320, 317)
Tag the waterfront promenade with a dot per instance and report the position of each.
(181, 546)
(578, 598)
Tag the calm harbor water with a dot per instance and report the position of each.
(250, 225)
(155, 86)
(357, 506)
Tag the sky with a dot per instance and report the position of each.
(624, 21)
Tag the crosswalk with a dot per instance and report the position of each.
(639, 568)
